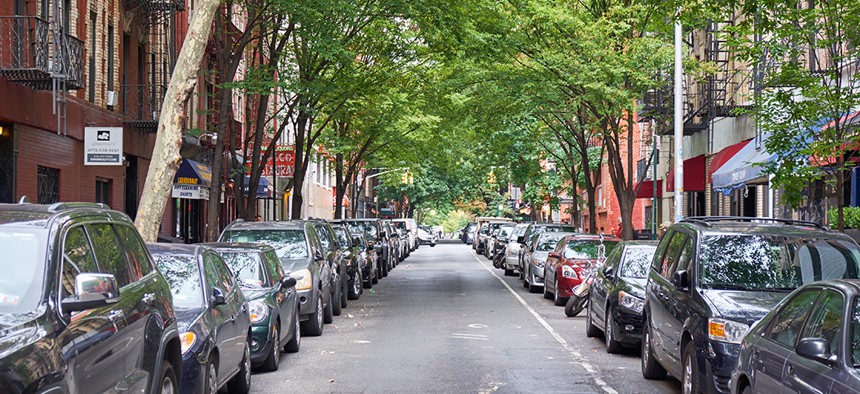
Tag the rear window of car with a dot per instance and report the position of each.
(759, 262)
(855, 333)
(368, 228)
(183, 276)
(636, 261)
(288, 244)
(548, 242)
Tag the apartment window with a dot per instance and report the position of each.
(48, 185)
(103, 189)
(67, 16)
(600, 195)
(92, 81)
(110, 51)
(319, 170)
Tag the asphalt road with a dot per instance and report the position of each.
(445, 321)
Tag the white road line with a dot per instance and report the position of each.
(577, 356)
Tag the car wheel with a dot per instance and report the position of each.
(356, 288)
(344, 293)
(211, 377)
(650, 368)
(313, 327)
(328, 310)
(612, 346)
(558, 300)
(690, 374)
(169, 384)
(271, 363)
(294, 344)
(241, 383)
(336, 304)
(591, 330)
(747, 390)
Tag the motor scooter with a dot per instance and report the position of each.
(577, 301)
(499, 257)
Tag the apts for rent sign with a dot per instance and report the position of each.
(103, 146)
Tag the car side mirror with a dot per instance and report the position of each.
(318, 256)
(92, 290)
(218, 297)
(608, 272)
(817, 349)
(521, 239)
(554, 255)
(681, 279)
(288, 281)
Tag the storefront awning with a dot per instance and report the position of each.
(745, 166)
(647, 189)
(694, 175)
(262, 187)
(723, 156)
(191, 172)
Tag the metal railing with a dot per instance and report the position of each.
(74, 58)
(24, 47)
(142, 104)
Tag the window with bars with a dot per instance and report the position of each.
(103, 191)
(48, 185)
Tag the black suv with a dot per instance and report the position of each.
(375, 232)
(712, 277)
(82, 306)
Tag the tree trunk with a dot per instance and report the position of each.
(168, 140)
(339, 184)
(840, 192)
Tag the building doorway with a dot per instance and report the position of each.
(131, 181)
(7, 163)
(188, 215)
(749, 201)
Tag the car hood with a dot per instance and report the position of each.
(540, 256)
(16, 334)
(635, 286)
(186, 317)
(742, 306)
(253, 293)
(293, 265)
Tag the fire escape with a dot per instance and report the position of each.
(142, 100)
(36, 50)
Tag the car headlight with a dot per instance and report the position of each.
(631, 302)
(259, 311)
(186, 341)
(537, 263)
(307, 281)
(568, 271)
(727, 330)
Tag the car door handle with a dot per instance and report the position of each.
(790, 370)
(231, 319)
(755, 354)
(148, 298)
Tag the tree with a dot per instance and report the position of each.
(165, 155)
(807, 67)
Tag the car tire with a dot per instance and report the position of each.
(591, 330)
(689, 371)
(344, 293)
(747, 390)
(558, 300)
(313, 327)
(376, 276)
(328, 310)
(356, 289)
(651, 369)
(336, 304)
(546, 294)
(612, 346)
(274, 359)
(241, 383)
(295, 344)
(526, 278)
(211, 377)
(168, 383)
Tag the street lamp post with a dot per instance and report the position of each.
(679, 124)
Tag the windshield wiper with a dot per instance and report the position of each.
(727, 286)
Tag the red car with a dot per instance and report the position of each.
(565, 266)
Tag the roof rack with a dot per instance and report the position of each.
(708, 220)
(62, 206)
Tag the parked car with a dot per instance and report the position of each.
(394, 245)
(513, 249)
(412, 231)
(299, 250)
(373, 229)
(711, 278)
(406, 237)
(79, 291)
(617, 295)
(272, 301)
(809, 344)
(212, 317)
(565, 264)
(355, 265)
(536, 255)
(468, 234)
(482, 230)
(370, 274)
(426, 238)
(334, 253)
(531, 234)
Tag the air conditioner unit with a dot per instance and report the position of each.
(111, 98)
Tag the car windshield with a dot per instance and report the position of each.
(289, 244)
(505, 231)
(855, 333)
(247, 266)
(519, 230)
(368, 228)
(636, 261)
(548, 242)
(764, 262)
(183, 276)
(588, 249)
(23, 265)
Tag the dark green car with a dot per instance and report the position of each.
(271, 298)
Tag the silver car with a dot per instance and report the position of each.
(535, 258)
(513, 249)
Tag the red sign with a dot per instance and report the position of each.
(285, 160)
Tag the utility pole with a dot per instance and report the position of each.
(679, 123)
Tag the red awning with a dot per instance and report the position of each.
(723, 156)
(694, 175)
(647, 189)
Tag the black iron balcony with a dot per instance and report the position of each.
(141, 105)
(74, 59)
(25, 50)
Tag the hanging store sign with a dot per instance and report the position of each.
(103, 146)
(190, 192)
